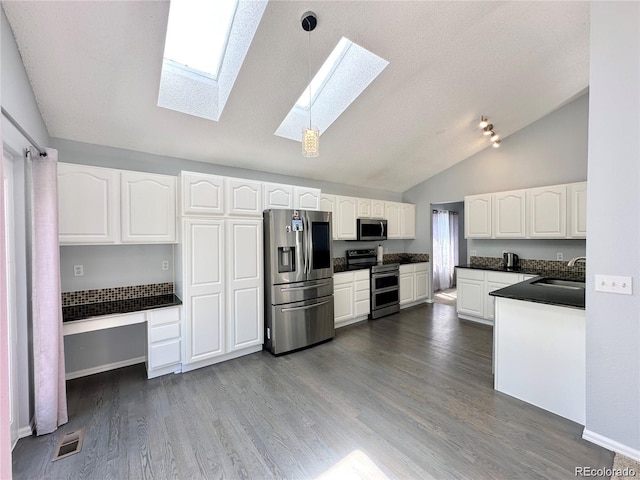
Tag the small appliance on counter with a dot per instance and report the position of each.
(511, 261)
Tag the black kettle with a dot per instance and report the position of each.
(511, 261)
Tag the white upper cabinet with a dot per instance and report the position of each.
(277, 196)
(364, 208)
(509, 211)
(392, 212)
(88, 204)
(346, 208)
(407, 220)
(244, 197)
(377, 208)
(245, 297)
(547, 209)
(328, 204)
(305, 198)
(577, 209)
(148, 207)
(477, 216)
(202, 194)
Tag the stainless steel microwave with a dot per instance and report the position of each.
(372, 229)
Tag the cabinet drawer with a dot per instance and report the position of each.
(422, 267)
(503, 277)
(470, 274)
(362, 285)
(342, 278)
(164, 332)
(361, 275)
(362, 295)
(407, 269)
(164, 354)
(164, 315)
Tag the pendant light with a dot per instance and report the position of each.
(310, 136)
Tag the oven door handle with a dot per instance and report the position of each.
(380, 275)
(308, 287)
(305, 307)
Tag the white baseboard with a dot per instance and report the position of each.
(352, 321)
(610, 444)
(187, 367)
(471, 318)
(104, 368)
(25, 432)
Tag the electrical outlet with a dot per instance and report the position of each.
(559, 256)
(613, 284)
(78, 270)
(165, 265)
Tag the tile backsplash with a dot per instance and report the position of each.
(99, 295)
(578, 270)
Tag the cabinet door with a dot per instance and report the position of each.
(362, 293)
(547, 207)
(204, 280)
(577, 211)
(407, 288)
(244, 197)
(377, 208)
(343, 301)
(202, 194)
(509, 214)
(490, 301)
(477, 216)
(245, 290)
(392, 214)
(328, 204)
(88, 204)
(148, 208)
(306, 198)
(346, 213)
(364, 208)
(277, 196)
(471, 297)
(422, 281)
(408, 221)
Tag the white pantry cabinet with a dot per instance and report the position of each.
(413, 283)
(202, 194)
(244, 286)
(164, 341)
(392, 212)
(547, 209)
(351, 297)
(148, 207)
(277, 195)
(88, 204)
(305, 198)
(244, 197)
(477, 216)
(577, 209)
(328, 204)
(203, 288)
(346, 208)
(509, 211)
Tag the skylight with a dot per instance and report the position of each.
(206, 43)
(344, 75)
(197, 33)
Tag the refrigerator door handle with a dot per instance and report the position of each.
(307, 243)
(305, 307)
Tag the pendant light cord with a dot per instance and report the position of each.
(309, 70)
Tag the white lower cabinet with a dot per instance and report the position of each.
(164, 341)
(474, 302)
(351, 297)
(414, 283)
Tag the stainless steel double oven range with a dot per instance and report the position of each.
(384, 281)
(298, 262)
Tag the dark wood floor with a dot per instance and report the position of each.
(407, 396)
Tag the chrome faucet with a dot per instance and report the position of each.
(575, 260)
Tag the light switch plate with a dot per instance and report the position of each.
(613, 284)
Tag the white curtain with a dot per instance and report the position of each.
(445, 249)
(48, 349)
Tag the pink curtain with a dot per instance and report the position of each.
(48, 349)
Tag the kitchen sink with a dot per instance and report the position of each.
(555, 282)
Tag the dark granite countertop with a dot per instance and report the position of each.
(529, 291)
(563, 275)
(82, 312)
(343, 267)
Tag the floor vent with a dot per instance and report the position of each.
(69, 444)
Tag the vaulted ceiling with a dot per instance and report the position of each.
(95, 69)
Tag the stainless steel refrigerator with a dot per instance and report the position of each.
(298, 264)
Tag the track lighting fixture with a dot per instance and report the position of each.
(487, 130)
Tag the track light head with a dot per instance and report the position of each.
(483, 122)
(488, 130)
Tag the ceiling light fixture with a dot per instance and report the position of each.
(487, 129)
(310, 136)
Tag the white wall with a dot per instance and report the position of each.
(19, 101)
(550, 151)
(613, 238)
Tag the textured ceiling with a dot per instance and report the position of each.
(95, 69)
